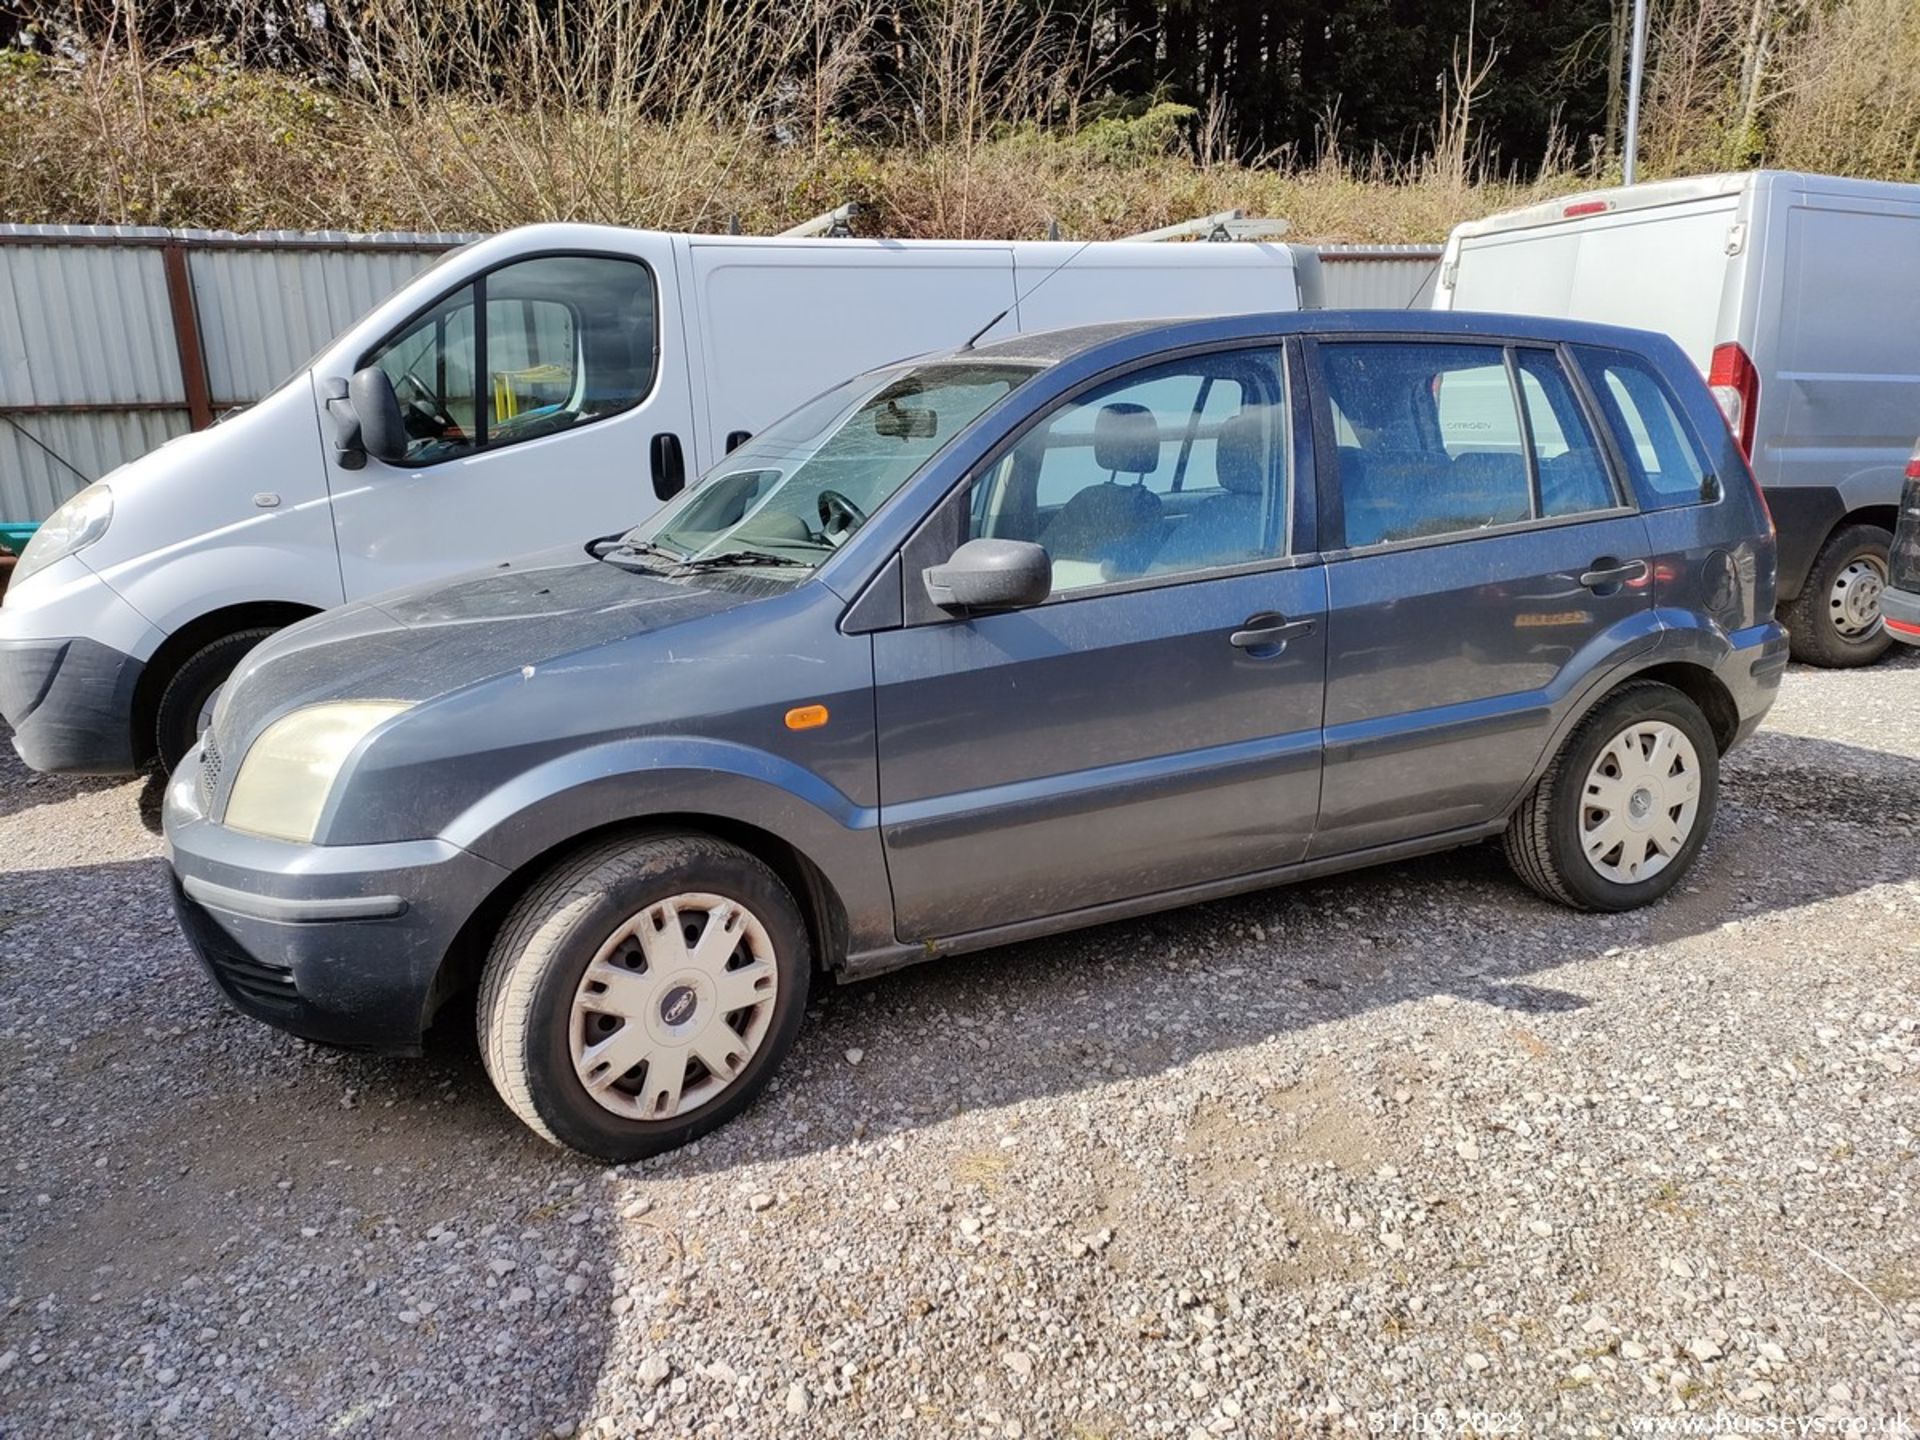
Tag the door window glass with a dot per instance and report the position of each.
(1436, 440)
(568, 339)
(1177, 468)
(1647, 422)
(1573, 474)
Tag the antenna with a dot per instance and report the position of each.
(1026, 294)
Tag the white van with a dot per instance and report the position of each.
(1798, 296)
(541, 387)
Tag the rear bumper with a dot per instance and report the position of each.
(1900, 613)
(70, 703)
(341, 944)
(1751, 671)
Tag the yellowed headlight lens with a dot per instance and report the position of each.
(289, 771)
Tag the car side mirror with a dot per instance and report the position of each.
(987, 575)
(383, 433)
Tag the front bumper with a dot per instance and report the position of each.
(1900, 612)
(1751, 671)
(344, 944)
(70, 703)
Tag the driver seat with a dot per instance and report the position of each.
(1112, 525)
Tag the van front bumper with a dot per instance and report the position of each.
(1900, 613)
(346, 944)
(70, 703)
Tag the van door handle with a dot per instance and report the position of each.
(1269, 632)
(1610, 574)
(669, 465)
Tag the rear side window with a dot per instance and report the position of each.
(1444, 439)
(1646, 420)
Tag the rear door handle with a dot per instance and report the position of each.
(1261, 632)
(1608, 573)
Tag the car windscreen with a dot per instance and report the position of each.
(797, 492)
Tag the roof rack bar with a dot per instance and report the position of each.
(836, 224)
(1221, 225)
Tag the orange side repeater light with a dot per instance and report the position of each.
(806, 717)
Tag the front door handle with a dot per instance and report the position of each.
(1610, 574)
(1268, 633)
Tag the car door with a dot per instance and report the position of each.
(1156, 723)
(1490, 562)
(531, 394)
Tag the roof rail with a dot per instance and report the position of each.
(836, 224)
(1221, 225)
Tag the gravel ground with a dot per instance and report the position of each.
(1317, 1160)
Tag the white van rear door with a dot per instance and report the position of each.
(781, 320)
(533, 386)
(1121, 280)
(1661, 269)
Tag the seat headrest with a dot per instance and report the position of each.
(1126, 439)
(1240, 456)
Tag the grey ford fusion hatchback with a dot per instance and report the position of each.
(982, 646)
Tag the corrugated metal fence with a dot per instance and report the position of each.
(114, 339)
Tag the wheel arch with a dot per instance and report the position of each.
(172, 651)
(821, 907)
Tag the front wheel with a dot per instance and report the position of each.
(186, 704)
(643, 993)
(1625, 806)
(1834, 622)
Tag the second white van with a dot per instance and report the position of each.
(540, 387)
(1797, 297)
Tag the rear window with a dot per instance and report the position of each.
(1659, 444)
(1437, 439)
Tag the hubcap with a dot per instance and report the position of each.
(1854, 601)
(673, 1006)
(1641, 799)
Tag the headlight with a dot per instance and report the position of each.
(74, 526)
(289, 771)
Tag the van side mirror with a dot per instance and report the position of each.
(987, 575)
(383, 433)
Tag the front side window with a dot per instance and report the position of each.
(1659, 446)
(797, 491)
(566, 339)
(1178, 468)
(1444, 439)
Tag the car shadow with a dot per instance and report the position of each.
(23, 789)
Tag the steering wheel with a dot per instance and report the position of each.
(427, 416)
(839, 517)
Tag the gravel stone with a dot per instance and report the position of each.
(1289, 1164)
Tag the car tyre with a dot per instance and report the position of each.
(191, 690)
(566, 1002)
(1605, 788)
(1834, 621)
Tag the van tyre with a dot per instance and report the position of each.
(1835, 619)
(190, 693)
(643, 992)
(1625, 805)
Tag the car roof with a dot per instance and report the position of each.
(1132, 339)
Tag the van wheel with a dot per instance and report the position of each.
(1624, 807)
(186, 705)
(642, 993)
(1835, 620)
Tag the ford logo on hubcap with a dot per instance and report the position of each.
(677, 1005)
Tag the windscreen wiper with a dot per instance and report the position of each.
(729, 559)
(611, 547)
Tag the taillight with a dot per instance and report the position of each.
(1913, 463)
(1736, 388)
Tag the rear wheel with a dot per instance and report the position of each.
(641, 994)
(1835, 620)
(186, 704)
(1625, 806)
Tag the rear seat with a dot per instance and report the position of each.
(1405, 494)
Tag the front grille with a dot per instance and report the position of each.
(209, 770)
(248, 976)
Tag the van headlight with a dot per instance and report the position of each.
(289, 771)
(74, 526)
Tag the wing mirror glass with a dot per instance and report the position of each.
(987, 575)
(383, 432)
